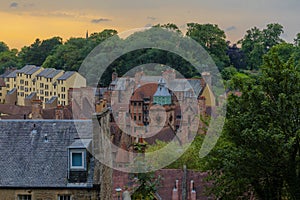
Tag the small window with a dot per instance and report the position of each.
(64, 197)
(77, 160)
(24, 197)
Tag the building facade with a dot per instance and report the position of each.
(36, 83)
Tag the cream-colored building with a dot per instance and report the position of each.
(37, 83)
(68, 80)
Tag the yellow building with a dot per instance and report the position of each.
(31, 83)
(68, 80)
(25, 82)
(2, 90)
(46, 83)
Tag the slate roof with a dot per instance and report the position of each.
(51, 100)
(32, 94)
(49, 73)
(12, 74)
(28, 69)
(46, 71)
(26, 160)
(66, 75)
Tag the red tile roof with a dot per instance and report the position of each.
(145, 91)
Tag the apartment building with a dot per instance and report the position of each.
(36, 83)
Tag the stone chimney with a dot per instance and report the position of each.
(114, 76)
(175, 195)
(207, 77)
(37, 109)
(59, 112)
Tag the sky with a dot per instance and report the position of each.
(22, 21)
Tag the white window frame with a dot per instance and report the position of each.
(83, 166)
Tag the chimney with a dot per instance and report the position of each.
(192, 190)
(175, 195)
(207, 77)
(59, 112)
(114, 76)
(36, 109)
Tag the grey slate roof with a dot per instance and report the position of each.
(28, 69)
(26, 160)
(32, 94)
(51, 100)
(49, 73)
(53, 74)
(66, 75)
(12, 74)
(46, 72)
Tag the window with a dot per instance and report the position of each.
(46, 93)
(21, 81)
(63, 89)
(77, 159)
(41, 91)
(41, 85)
(46, 86)
(26, 83)
(64, 197)
(24, 197)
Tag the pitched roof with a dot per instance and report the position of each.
(28, 161)
(145, 91)
(29, 69)
(12, 74)
(66, 75)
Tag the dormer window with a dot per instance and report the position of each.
(77, 159)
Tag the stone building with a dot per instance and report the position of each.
(36, 83)
(53, 159)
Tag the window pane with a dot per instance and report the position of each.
(24, 197)
(76, 159)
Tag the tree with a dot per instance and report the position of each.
(170, 26)
(213, 39)
(236, 56)
(37, 52)
(3, 47)
(9, 59)
(259, 150)
(297, 40)
(258, 42)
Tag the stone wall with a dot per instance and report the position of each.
(49, 194)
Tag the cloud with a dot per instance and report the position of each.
(148, 25)
(97, 21)
(152, 18)
(14, 5)
(230, 28)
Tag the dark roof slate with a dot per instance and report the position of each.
(26, 160)
(66, 75)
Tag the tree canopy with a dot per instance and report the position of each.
(259, 150)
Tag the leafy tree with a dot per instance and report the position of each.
(148, 186)
(169, 26)
(3, 47)
(236, 56)
(9, 59)
(297, 40)
(212, 38)
(37, 52)
(71, 54)
(258, 42)
(228, 73)
(259, 150)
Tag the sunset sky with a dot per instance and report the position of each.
(22, 21)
